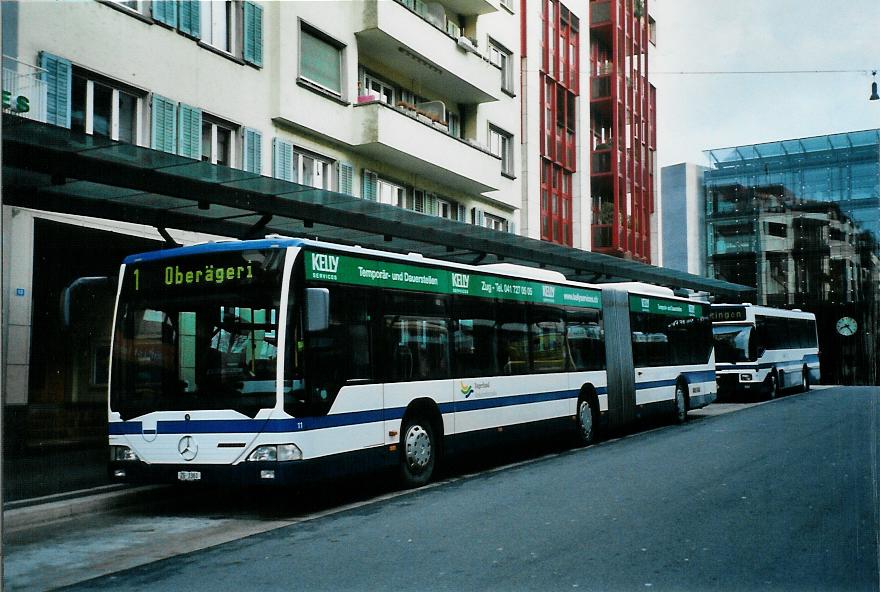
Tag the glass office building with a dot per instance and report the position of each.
(800, 220)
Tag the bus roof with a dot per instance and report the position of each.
(753, 309)
(509, 270)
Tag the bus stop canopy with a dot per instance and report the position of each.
(50, 168)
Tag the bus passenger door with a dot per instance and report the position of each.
(618, 355)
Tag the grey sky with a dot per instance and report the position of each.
(712, 111)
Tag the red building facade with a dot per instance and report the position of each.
(560, 84)
(622, 128)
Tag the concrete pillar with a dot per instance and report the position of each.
(18, 271)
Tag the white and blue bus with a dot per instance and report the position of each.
(272, 360)
(762, 350)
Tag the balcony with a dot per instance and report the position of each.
(387, 134)
(424, 54)
(600, 87)
(27, 91)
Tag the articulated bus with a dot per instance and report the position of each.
(274, 360)
(761, 350)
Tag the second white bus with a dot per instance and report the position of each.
(762, 350)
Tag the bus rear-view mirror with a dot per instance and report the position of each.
(79, 289)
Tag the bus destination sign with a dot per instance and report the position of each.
(720, 314)
(391, 274)
(203, 273)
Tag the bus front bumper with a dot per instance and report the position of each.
(251, 472)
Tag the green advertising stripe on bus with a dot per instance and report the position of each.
(380, 274)
(671, 308)
(388, 274)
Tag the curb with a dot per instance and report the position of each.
(49, 509)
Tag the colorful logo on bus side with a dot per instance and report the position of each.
(466, 390)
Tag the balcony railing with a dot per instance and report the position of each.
(24, 92)
(600, 163)
(601, 236)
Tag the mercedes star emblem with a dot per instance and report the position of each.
(188, 448)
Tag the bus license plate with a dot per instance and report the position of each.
(189, 475)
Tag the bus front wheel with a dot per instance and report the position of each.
(418, 452)
(772, 387)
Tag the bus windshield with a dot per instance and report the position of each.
(198, 345)
(734, 343)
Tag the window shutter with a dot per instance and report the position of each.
(346, 178)
(189, 18)
(253, 33)
(165, 11)
(419, 201)
(479, 217)
(369, 185)
(164, 124)
(253, 151)
(58, 75)
(431, 204)
(189, 128)
(511, 227)
(282, 160)
(460, 213)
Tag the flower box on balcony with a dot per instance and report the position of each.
(367, 99)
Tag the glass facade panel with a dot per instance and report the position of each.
(798, 219)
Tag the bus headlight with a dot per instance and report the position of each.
(745, 377)
(279, 452)
(122, 453)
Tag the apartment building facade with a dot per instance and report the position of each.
(623, 131)
(410, 103)
(470, 110)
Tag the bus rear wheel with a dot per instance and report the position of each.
(681, 407)
(586, 424)
(418, 452)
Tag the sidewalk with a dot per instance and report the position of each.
(39, 472)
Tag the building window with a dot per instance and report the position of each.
(320, 60)
(391, 193)
(130, 4)
(218, 24)
(454, 121)
(501, 144)
(98, 107)
(502, 58)
(379, 89)
(313, 170)
(445, 209)
(495, 223)
(218, 141)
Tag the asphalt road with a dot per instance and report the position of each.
(781, 496)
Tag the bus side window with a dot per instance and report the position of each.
(513, 338)
(585, 339)
(473, 338)
(549, 351)
(416, 336)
